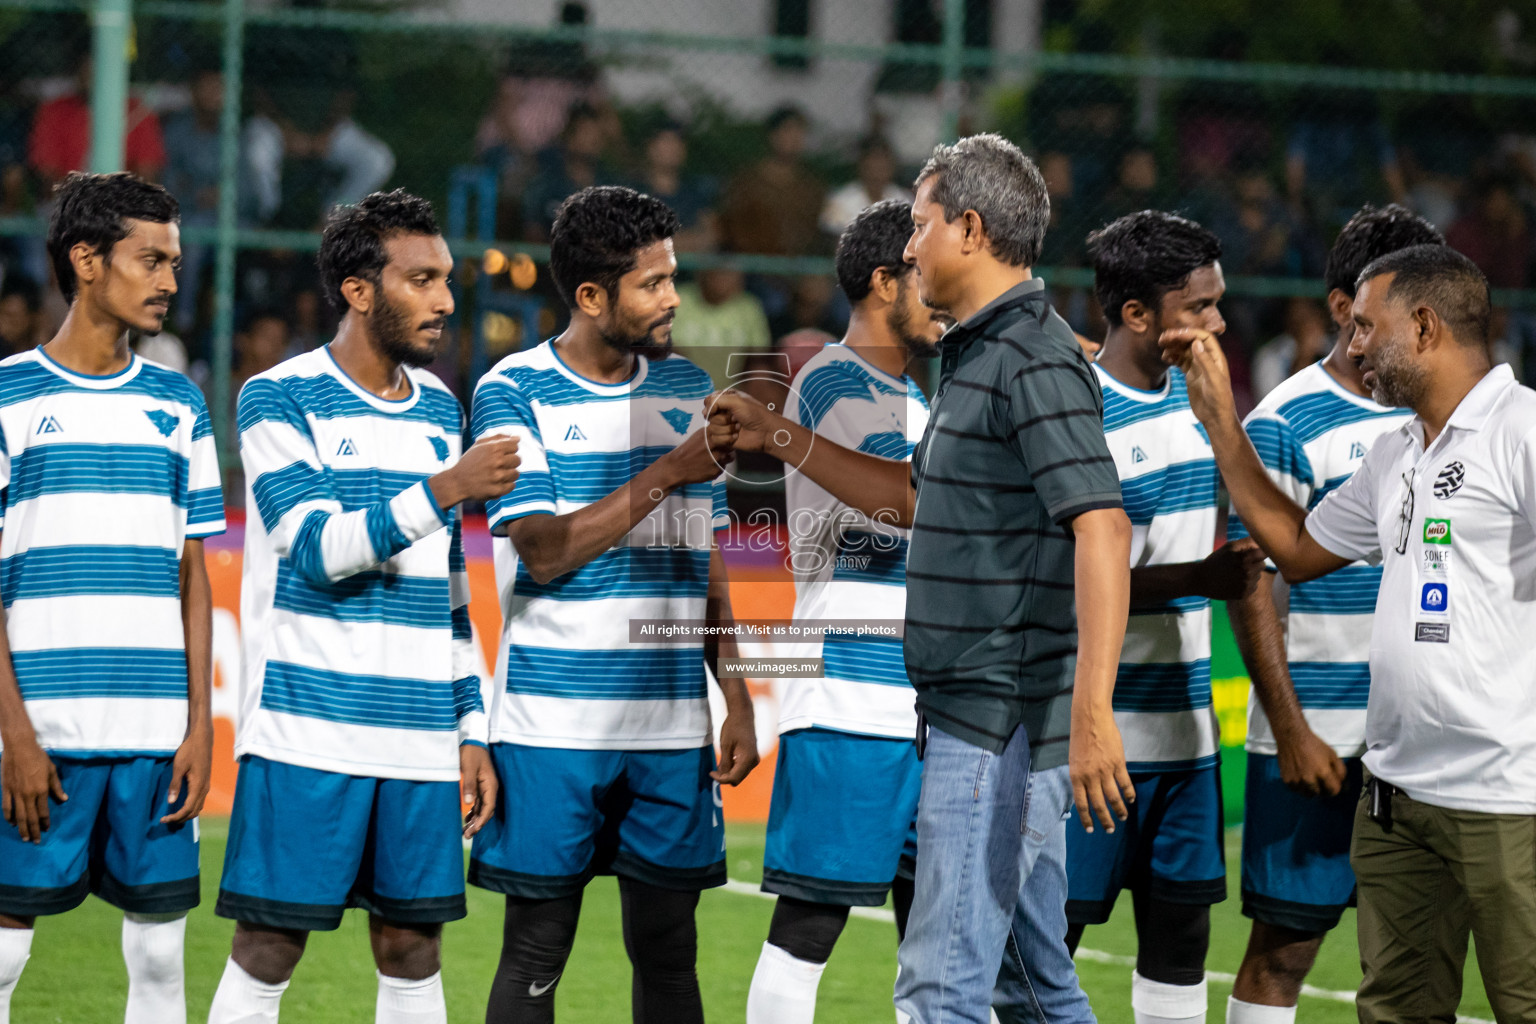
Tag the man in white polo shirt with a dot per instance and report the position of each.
(1447, 505)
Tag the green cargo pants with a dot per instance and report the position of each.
(1438, 874)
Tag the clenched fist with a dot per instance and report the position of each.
(488, 470)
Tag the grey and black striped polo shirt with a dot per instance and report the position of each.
(1014, 449)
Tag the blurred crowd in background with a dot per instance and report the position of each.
(1273, 173)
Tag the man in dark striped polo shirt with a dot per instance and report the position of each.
(1017, 593)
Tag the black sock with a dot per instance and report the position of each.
(536, 941)
(1171, 940)
(902, 891)
(805, 930)
(1074, 936)
(662, 940)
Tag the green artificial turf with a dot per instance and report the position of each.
(76, 973)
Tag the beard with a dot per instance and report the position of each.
(652, 340)
(1400, 382)
(393, 330)
(911, 329)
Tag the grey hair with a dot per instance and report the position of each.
(992, 176)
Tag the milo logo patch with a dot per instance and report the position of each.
(1437, 531)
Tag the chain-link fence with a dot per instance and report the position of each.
(767, 125)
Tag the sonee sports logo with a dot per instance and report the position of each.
(1437, 531)
(1449, 481)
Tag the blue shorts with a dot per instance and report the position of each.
(842, 814)
(1170, 847)
(1296, 871)
(105, 839)
(304, 845)
(566, 815)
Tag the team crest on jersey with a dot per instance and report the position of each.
(439, 448)
(1137, 455)
(346, 447)
(163, 421)
(677, 419)
(1357, 450)
(50, 425)
(573, 433)
(1450, 480)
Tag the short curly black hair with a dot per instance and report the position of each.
(598, 234)
(876, 238)
(95, 209)
(1144, 256)
(1370, 234)
(353, 243)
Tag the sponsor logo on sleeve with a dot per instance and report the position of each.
(1437, 561)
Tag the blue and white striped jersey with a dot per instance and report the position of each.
(1168, 482)
(354, 602)
(846, 565)
(568, 673)
(1312, 435)
(102, 480)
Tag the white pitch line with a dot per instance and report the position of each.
(1098, 956)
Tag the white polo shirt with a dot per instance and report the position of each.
(1452, 712)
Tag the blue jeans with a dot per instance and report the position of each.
(988, 922)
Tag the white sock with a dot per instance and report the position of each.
(242, 999)
(1239, 1012)
(157, 978)
(15, 947)
(1157, 1003)
(403, 1001)
(783, 988)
